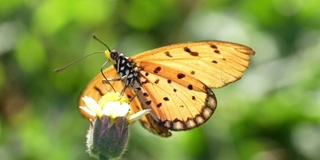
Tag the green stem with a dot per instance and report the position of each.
(103, 157)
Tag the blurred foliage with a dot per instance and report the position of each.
(273, 112)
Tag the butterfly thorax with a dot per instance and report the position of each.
(124, 67)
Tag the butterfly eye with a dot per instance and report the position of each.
(114, 55)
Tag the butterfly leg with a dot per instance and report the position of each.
(123, 78)
(107, 82)
(134, 96)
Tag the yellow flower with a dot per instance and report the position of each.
(113, 105)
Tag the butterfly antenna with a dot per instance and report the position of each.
(66, 66)
(96, 38)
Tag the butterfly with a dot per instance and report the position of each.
(174, 81)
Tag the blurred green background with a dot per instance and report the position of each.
(273, 112)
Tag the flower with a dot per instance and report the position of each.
(108, 133)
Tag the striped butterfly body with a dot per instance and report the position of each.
(174, 81)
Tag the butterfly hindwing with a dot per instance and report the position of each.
(175, 106)
(96, 89)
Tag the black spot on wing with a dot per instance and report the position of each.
(167, 54)
(191, 52)
(215, 49)
(213, 46)
(98, 90)
(148, 102)
(157, 70)
(144, 82)
(180, 75)
(145, 94)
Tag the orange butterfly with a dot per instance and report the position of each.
(174, 81)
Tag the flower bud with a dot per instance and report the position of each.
(107, 138)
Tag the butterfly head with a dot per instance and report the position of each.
(112, 55)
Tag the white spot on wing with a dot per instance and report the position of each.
(167, 124)
(191, 123)
(178, 125)
(199, 120)
(207, 112)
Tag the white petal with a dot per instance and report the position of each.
(114, 109)
(87, 110)
(123, 110)
(92, 104)
(138, 115)
(108, 108)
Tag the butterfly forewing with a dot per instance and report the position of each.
(215, 63)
